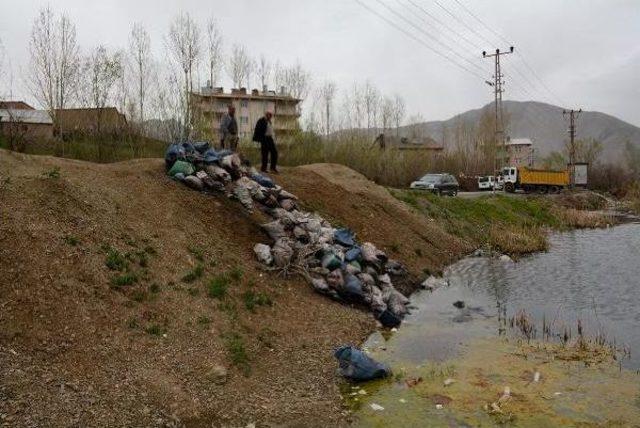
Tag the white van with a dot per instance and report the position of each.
(487, 182)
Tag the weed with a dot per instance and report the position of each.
(150, 250)
(115, 260)
(236, 273)
(218, 286)
(266, 336)
(71, 240)
(395, 247)
(418, 252)
(52, 173)
(193, 291)
(154, 330)
(154, 288)
(139, 296)
(143, 260)
(204, 320)
(237, 351)
(253, 299)
(229, 308)
(197, 253)
(194, 274)
(124, 280)
(133, 323)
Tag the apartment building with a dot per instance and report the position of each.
(210, 105)
(519, 152)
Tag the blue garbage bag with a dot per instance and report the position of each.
(188, 148)
(211, 157)
(353, 254)
(352, 289)
(201, 146)
(344, 237)
(389, 319)
(173, 153)
(356, 365)
(263, 181)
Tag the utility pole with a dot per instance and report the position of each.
(573, 116)
(497, 92)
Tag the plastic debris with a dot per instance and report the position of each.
(263, 252)
(356, 365)
(376, 407)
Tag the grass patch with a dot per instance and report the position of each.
(154, 288)
(198, 253)
(236, 273)
(52, 173)
(115, 260)
(252, 300)
(139, 296)
(204, 320)
(71, 240)
(218, 287)
(236, 349)
(194, 274)
(124, 280)
(155, 330)
(193, 291)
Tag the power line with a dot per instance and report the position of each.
(435, 39)
(500, 36)
(422, 42)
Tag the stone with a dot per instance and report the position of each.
(217, 374)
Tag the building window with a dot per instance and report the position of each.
(244, 119)
(244, 103)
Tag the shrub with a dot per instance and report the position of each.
(218, 286)
(194, 274)
(253, 299)
(237, 351)
(115, 260)
(124, 280)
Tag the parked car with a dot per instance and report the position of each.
(440, 184)
(487, 182)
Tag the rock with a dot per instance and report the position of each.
(217, 374)
(505, 259)
(459, 304)
(433, 283)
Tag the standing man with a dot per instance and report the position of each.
(265, 135)
(229, 130)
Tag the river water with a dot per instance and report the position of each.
(587, 275)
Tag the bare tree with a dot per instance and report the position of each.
(327, 93)
(2, 66)
(357, 105)
(238, 65)
(184, 47)
(386, 112)
(54, 61)
(297, 81)
(102, 71)
(250, 67)
(140, 53)
(399, 110)
(264, 71)
(371, 97)
(214, 51)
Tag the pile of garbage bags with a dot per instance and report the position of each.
(329, 258)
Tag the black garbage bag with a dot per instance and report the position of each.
(356, 365)
(389, 319)
(172, 154)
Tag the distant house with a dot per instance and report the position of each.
(409, 143)
(91, 121)
(519, 152)
(20, 121)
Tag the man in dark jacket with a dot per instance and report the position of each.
(264, 134)
(229, 130)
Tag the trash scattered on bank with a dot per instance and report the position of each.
(376, 407)
(304, 243)
(358, 366)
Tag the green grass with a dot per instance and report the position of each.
(124, 280)
(236, 349)
(236, 273)
(204, 320)
(155, 330)
(198, 253)
(218, 286)
(154, 288)
(194, 274)
(71, 240)
(252, 300)
(52, 173)
(115, 260)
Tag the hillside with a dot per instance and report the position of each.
(110, 306)
(544, 124)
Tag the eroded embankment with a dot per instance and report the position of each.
(128, 299)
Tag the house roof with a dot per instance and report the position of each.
(15, 105)
(25, 116)
(519, 142)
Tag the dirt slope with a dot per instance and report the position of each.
(77, 350)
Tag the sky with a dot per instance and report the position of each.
(576, 54)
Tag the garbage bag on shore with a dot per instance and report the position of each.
(194, 182)
(344, 237)
(181, 167)
(263, 253)
(356, 365)
(172, 154)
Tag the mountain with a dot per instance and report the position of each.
(544, 125)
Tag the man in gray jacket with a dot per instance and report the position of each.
(229, 130)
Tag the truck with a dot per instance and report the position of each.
(535, 180)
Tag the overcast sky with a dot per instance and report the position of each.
(586, 52)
